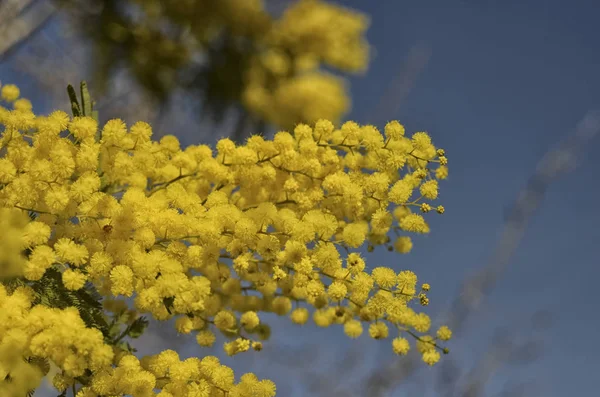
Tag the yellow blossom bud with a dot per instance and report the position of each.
(403, 244)
(431, 357)
(337, 291)
(10, 92)
(384, 277)
(378, 330)
(299, 316)
(444, 333)
(224, 320)
(400, 346)
(353, 328)
(249, 321)
(394, 130)
(73, 280)
(206, 338)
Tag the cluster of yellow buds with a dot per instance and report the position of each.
(208, 238)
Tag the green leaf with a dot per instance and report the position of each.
(114, 330)
(86, 100)
(168, 302)
(76, 109)
(42, 363)
(137, 328)
(53, 293)
(130, 348)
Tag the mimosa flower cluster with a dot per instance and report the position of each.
(210, 238)
(284, 83)
(270, 64)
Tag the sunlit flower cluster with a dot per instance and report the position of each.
(213, 238)
(39, 331)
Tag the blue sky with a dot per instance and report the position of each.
(506, 81)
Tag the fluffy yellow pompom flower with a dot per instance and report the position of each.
(83, 127)
(141, 131)
(323, 130)
(378, 330)
(68, 251)
(224, 320)
(61, 118)
(400, 192)
(206, 338)
(31, 271)
(355, 234)
(10, 92)
(57, 199)
(237, 346)
(429, 189)
(249, 321)
(23, 104)
(353, 328)
(323, 318)
(315, 288)
(441, 172)
(337, 291)
(299, 316)
(403, 244)
(8, 171)
(114, 132)
(422, 322)
(381, 221)
(307, 97)
(400, 346)
(407, 281)
(225, 146)
(100, 264)
(421, 140)
(355, 263)
(40, 260)
(36, 233)
(414, 223)
(73, 280)
(265, 388)
(394, 130)
(281, 305)
(431, 357)
(425, 344)
(279, 274)
(121, 278)
(184, 325)
(444, 333)
(384, 277)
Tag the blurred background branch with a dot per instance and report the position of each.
(212, 61)
(19, 21)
